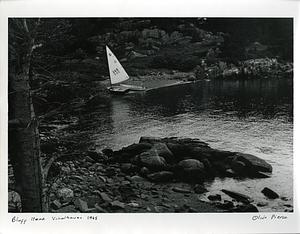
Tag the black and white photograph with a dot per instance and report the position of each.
(150, 114)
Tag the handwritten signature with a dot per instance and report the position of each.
(269, 217)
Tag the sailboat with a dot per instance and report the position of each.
(118, 75)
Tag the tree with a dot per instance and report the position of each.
(24, 141)
(33, 45)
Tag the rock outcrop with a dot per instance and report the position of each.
(186, 159)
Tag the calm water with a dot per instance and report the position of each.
(253, 117)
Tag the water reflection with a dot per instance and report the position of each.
(268, 98)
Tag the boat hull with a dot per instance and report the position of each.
(124, 88)
(118, 90)
(133, 87)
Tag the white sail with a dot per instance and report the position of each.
(116, 71)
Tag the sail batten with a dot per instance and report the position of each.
(116, 72)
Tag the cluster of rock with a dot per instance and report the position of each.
(148, 45)
(168, 159)
(252, 68)
(265, 67)
(148, 40)
(94, 184)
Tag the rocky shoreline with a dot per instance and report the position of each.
(154, 175)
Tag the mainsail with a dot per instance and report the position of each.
(116, 71)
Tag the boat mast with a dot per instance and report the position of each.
(106, 48)
(110, 81)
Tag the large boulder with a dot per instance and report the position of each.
(254, 163)
(177, 149)
(152, 160)
(191, 164)
(163, 151)
(191, 169)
